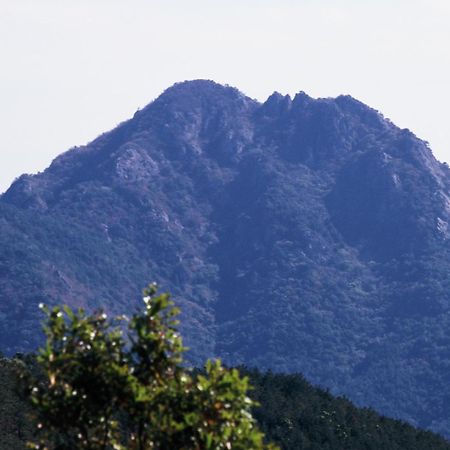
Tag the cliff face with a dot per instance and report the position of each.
(299, 234)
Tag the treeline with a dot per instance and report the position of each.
(292, 413)
(296, 415)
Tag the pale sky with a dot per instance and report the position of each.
(72, 69)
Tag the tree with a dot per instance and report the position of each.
(102, 391)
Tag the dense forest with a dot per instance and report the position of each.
(292, 413)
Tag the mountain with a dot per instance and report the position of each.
(302, 235)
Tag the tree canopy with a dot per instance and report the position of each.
(107, 390)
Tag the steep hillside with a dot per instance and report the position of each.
(300, 234)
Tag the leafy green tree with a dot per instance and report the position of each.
(102, 391)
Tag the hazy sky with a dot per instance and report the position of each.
(71, 69)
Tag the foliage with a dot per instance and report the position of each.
(292, 413)
(103, 392)
(15, 425)
(296, 415)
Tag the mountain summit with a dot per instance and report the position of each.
(298, 234)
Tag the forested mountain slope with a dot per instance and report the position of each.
(292, 413)
(302, 234)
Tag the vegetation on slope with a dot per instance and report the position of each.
(292, 413)
(297, 415)
(89, 388)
